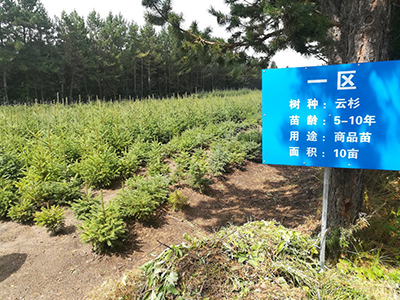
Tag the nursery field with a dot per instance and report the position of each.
(91, 191)
(49, 152)
(111, 166)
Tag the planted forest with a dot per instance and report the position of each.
(75, 58)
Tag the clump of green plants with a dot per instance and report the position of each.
(155, 160)
(394, 225)
(182, 162)
(44, 163)
(133, 158)
(42, 191)
(53, 218)
(104, 228)
(190, 139)
(7, 196)
(251, 142)
(177, 200)
(129, 163)
(163, 284)
(142, 196)
(261, 260)
(157, 166)
(192, 169)
(22, 211)
(219, 160)
(197, 171)
(99, 168)
(342, 240)
(136, 205)
(83, 207)
(49, 151)
(157, 186)
(11, 167)
(233, 150)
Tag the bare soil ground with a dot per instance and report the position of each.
(36, 265)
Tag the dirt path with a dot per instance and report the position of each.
(35, 265)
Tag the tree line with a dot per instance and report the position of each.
(70, 57)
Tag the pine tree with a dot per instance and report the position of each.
(72, 45)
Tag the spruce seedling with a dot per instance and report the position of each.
(53, 218)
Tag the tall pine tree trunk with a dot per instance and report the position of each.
(360, 34)
(142, 78)
(71, 87)
(135, 81)
(5, 85)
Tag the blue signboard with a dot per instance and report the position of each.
(344, 116)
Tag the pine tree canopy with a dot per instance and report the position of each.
(262, 27)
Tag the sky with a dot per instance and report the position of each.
(192, 10)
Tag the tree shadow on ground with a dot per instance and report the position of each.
(11, 263)
(288, 195)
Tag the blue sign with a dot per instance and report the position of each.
(344, 116)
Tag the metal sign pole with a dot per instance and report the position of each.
(324, 217)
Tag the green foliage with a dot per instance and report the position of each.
(62, 193)
(129, 163)
(104, 228)
(109, 57)
(98, 168)
(369, 271)
(136, 204)
(157, 166)
(155, 160)
(197, 170)
(190, 139)
(11, 166)
(22, 211)
(233, 150)
(44, 164)
(182, 163)
(85, 206)
(7, 196)
(192, 169)
(219, 159)
(142, 196)
(49, 151)
(177, 200)
(394, 227)
(251, 140)
(382, 191)
(30, 188)
(262, 260)
(295, 24)
(53, 218)
(162, 281)
(118, 136)
(39, 192)
(157, 186)
(134, 158)
(342, 240)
